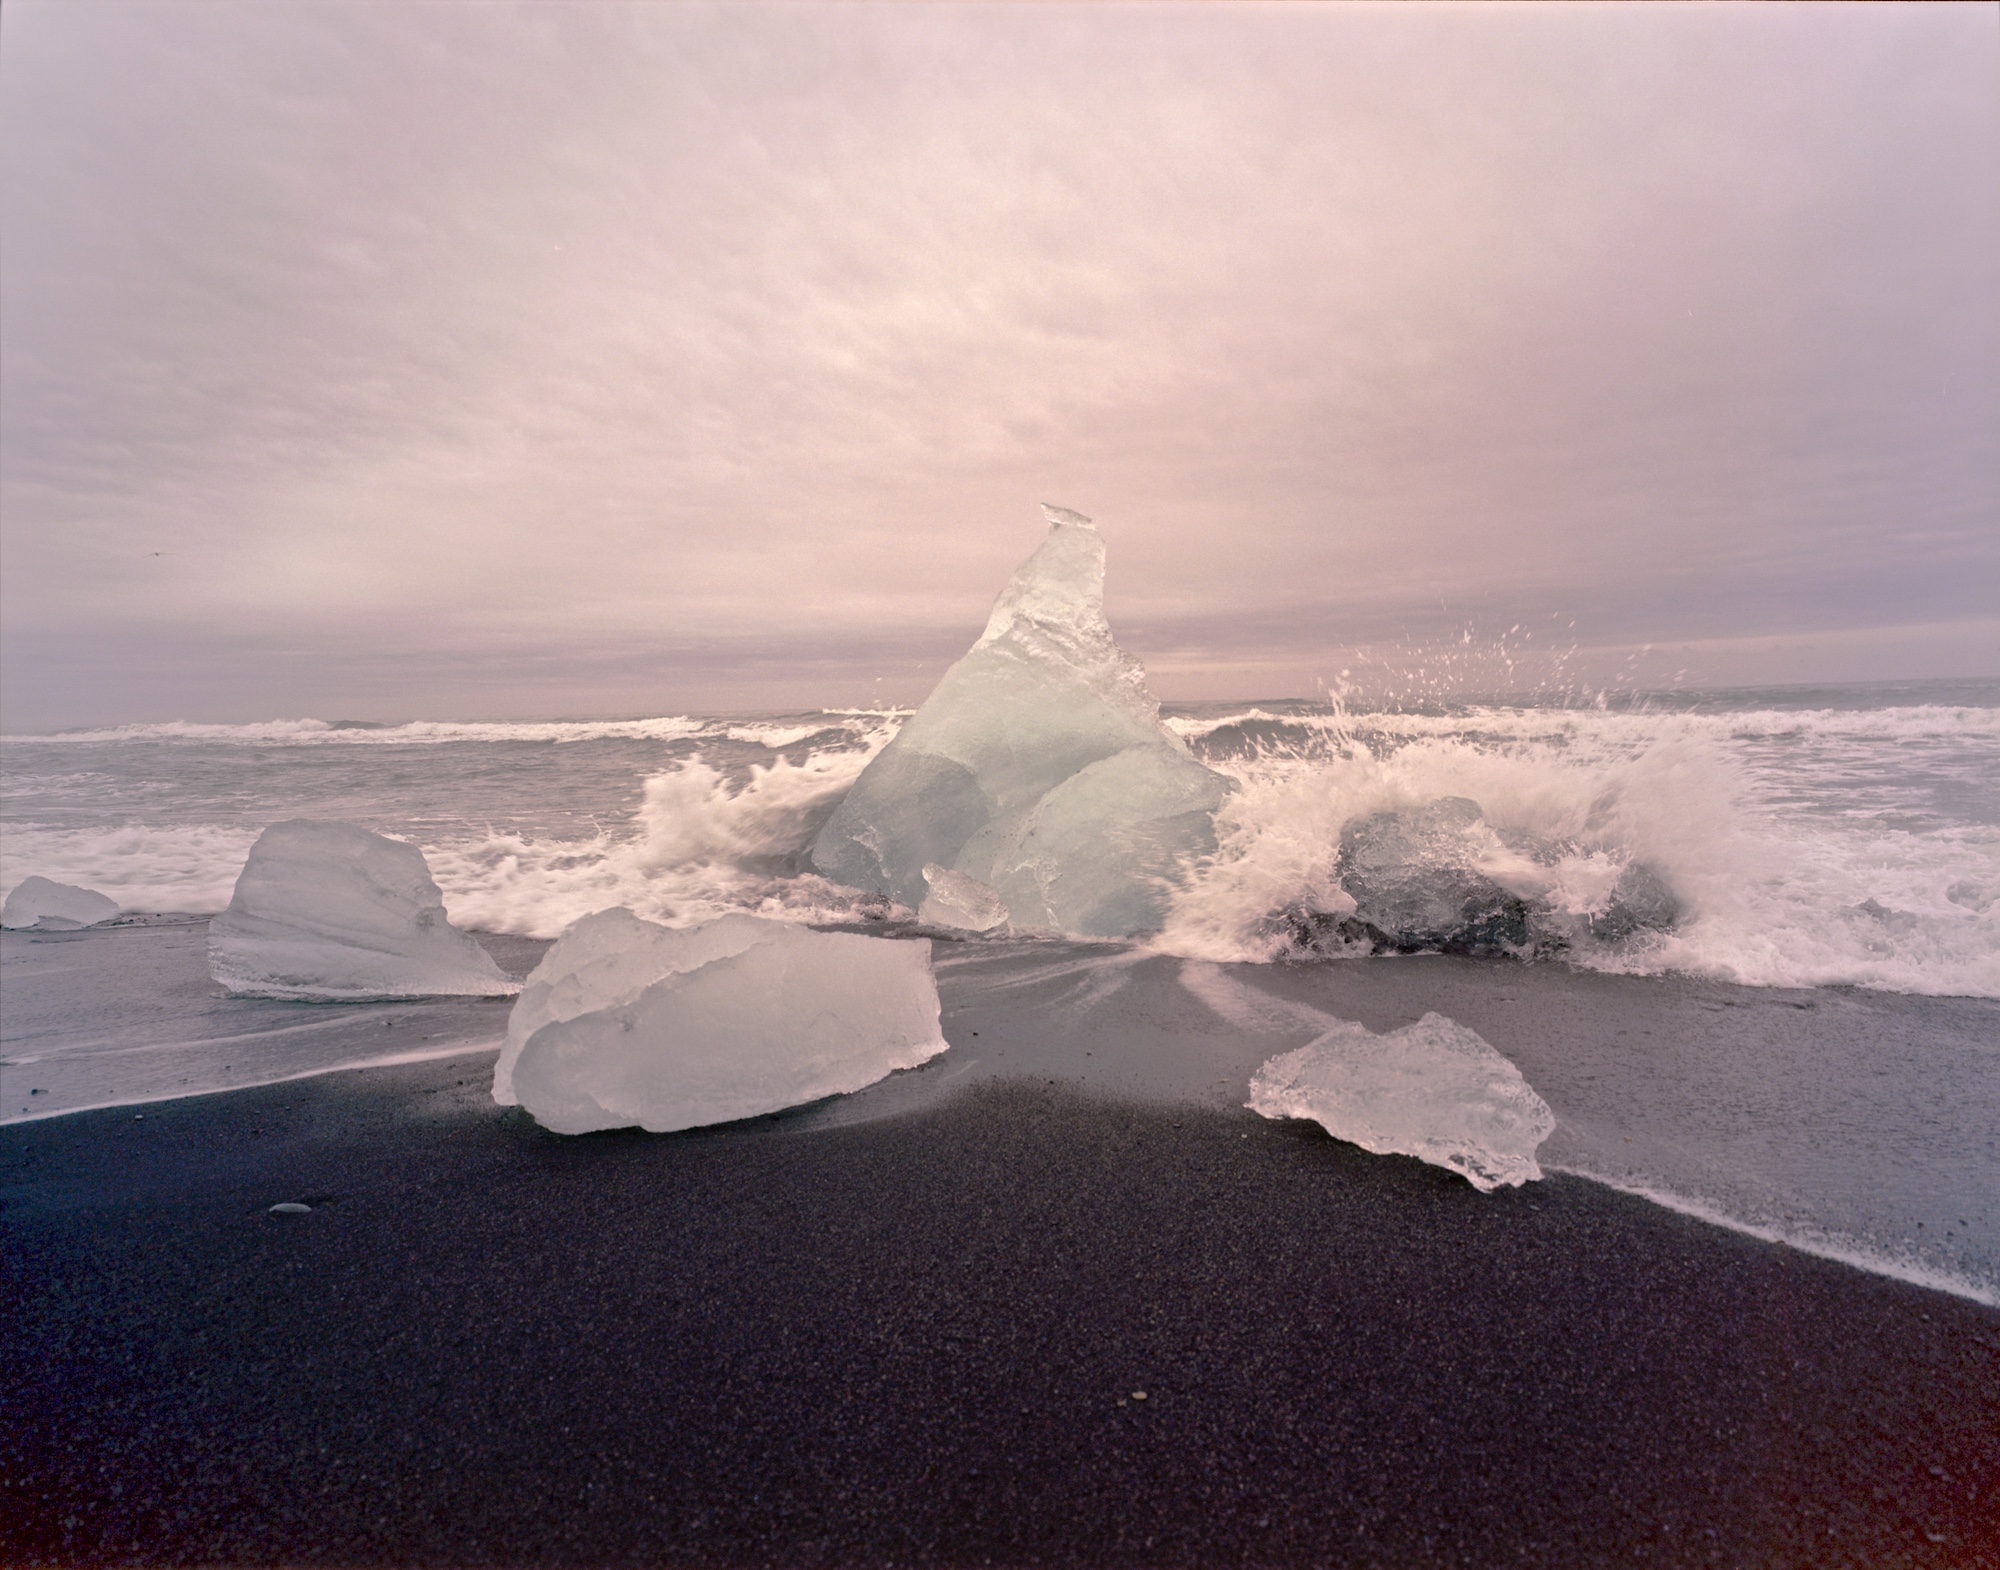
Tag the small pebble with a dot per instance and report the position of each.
(291, 1207)
(1138, 1395)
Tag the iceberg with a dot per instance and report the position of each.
(330, 913)
(43, 905)
(1434, 1090)
(1037, 768)
(628, 1022)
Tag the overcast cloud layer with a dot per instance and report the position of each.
(388, 360)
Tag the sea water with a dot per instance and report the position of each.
(1819, 841)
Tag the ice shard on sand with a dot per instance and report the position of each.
(1434, 1090)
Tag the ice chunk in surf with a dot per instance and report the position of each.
(962, 903)
(1434, 1090)
(627, 1022)
(1038, 767)
(330, 913)
(43, 905)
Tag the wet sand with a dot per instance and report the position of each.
(920, 1340)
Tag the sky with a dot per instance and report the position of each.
(456, 360)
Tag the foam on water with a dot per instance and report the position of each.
(1809, 846)
(353, 733)
(184, 867)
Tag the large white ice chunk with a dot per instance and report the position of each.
(330, 913)
(1434, 1090)
(605, 960)
(627, 1022)
(43, 905)
(1037, 767)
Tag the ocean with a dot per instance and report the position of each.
(1835, 851)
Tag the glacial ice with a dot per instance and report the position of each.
(1640, 900)
(605, 960)
(43, 905)
(1415, 880)
(1439, 876)
(962, 903)
(627, 1022)
(328, 912)
(1434, 1090)
(1037, 767)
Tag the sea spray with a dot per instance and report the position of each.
(1856, 869)
(700, 845)
(1820, 845)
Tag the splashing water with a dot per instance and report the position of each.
(1811, 839)
(1801, 851)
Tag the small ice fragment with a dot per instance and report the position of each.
(291, 1207)
(330, 913)
(960, 902)
(627, 1022)
(42, 905)
(1434, 1090)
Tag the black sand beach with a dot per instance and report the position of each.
(921, 1341)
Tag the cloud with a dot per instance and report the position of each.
(461, 340)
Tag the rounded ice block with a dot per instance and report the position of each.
(330, 913)
(626, 1022)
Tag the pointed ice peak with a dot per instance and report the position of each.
(1059, 516)
(1059, 589)
(1035, 787)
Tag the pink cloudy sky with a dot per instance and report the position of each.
(451, 360)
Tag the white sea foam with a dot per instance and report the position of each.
(189, 867)
(1897, 1264)
(777, 736)
(701, 846)
(1779, 886)
(1190, 728)
(1807, 846)
(305, 732)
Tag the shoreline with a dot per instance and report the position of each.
(1891, 1269)
(1705, 1098)
(908, 1340)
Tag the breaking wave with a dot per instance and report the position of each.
(361, 733)
(1806, 847)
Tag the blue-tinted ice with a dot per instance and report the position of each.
(1038, 768)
